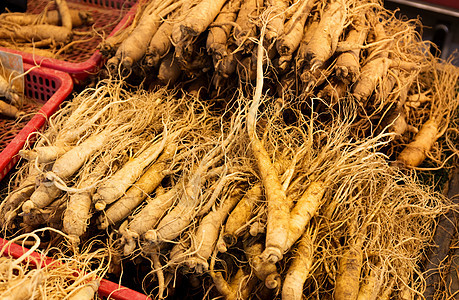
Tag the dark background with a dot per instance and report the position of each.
(440, 21)
(13, 5)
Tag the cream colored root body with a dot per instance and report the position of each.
(146, 184)
(113, 188)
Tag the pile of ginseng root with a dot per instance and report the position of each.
(246, 198)
(332, 49)
(48, 33)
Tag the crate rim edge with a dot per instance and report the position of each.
(106, 289)
(9, 154)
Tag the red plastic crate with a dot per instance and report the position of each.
(111, 290)
(46, 86)
(84, 58)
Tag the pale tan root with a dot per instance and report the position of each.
(381, 41)
(303, 211)
(277, 202)
(241, 215)
(24, 289)
(8, 91)
(290, 40)
(78, 17)
(300, 269)
(207, 233)
(371, 285)
(87, 292)
(147, 218)
(246, 28)
(198, 18)
(347, 66)
(158, 269)
(134, 47)
(278, 208)
(370, 76)
(275, 26)
(308, 33)
(239, 288)
(397, 122)
(160, 44)
(169, 70)
(146, 184)
(176, 220)
(35, 33)
(416, 151)
(12, 203)
(218, 45)
(41, 197)
(348, 275)
(64, 13)
(263, 270)
(52, 18)
(116, 186)
(324, 41)
(109, 45)
(10, 110)
(64, 167)
(72, 160)
(187, 208)
(217, 38)
(405, 65)
(78, 211)
(76, 216)
(375, 67)
(44, 154)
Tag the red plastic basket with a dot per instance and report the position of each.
(45, 86)
(107, 288)
(84, 58)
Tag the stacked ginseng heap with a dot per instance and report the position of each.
(293, 176)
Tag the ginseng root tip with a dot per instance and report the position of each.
(100, 205)
(28, 206)
(151, 236)
(271, 255)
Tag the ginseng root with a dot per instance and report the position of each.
(324, 41)
(241, 214)
(146, 184)
(300, 268)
